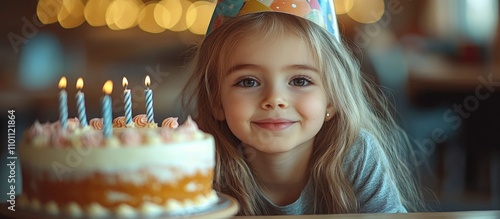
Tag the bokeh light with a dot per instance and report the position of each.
(197, 14)
(181, 25)
(47, 11)
(71, 13)
(367, 11)
(123, 14)
(168, 13)
(343, 6)
(95, 12)
(147, 20)
(156, 16)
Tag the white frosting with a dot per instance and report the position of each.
(126, 211)
(51, 208)
(187, 158)
(150, 153)
(74, 209)
(96, 210)
(149, 209)
(35, 205)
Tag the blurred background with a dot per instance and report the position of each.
(438, 61)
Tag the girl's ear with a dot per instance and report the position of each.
(330, 112)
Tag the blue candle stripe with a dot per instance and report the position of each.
(106, 116)
(63, 109)
(128, 107)
(80, 102)
(149, 105)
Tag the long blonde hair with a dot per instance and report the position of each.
(358, 103)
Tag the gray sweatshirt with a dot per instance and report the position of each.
(365, 167)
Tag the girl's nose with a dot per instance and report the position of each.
(273, 99)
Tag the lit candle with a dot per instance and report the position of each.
(106, 109)
(80, 103)
(128, 102)
(63, 103)
(149, 101)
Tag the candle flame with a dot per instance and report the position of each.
(62, 83)
(125, 82)
(147, 81)
(79, 83)
(108, 87)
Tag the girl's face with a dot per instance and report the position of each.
(272, 95)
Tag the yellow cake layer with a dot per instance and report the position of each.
(110, 191)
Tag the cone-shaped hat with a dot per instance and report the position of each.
(321, 12)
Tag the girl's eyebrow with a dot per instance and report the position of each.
(302, 67)
(240, 67)
(257, 67)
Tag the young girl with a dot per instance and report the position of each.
(298, 129)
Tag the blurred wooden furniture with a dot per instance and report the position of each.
(472, 92)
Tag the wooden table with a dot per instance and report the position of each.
(434, 73)
(493, 214)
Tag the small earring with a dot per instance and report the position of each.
(327, 114)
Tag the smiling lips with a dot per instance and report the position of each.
(274, 124)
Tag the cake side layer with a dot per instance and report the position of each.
(79, 162)
(95, 210)
(111, 194)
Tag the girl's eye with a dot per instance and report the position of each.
(300, 81)
(248, 82)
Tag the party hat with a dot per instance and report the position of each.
(321, 12)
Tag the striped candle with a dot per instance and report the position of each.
(127, 99)
(63, 103)
(80, 103)
(107, 125)
(149, 101)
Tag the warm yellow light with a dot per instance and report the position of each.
(367, 11)
(343, 6)
(162, 16)
(95, 12)
(79, 83)
(147, 20)
(198, 16)
(108, 87)
(71, 14)
(181, 25)
(123, 14)
(62, 83)
(147, 81)
(168, 13)
(125, 82)
(47, 10)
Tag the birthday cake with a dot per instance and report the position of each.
(140, 170)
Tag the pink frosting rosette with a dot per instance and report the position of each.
(73, 124)
(38, 129)
(170, 122)
(167, 135)
(92, 139)
(119, 122)
(59, 139)
(130, 137)
(140, 120)
(189, 126)
(96, 123)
